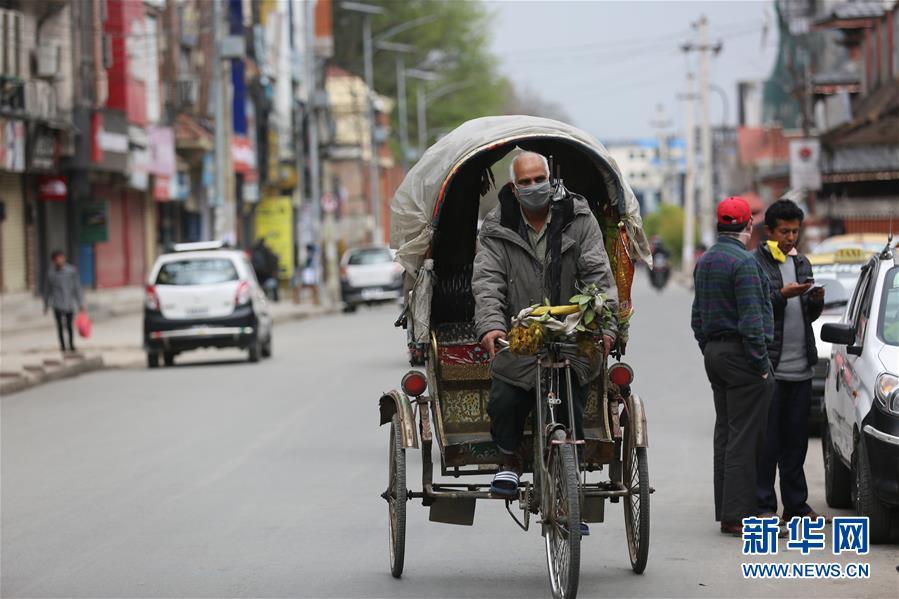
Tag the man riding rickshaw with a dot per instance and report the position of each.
(514, 325)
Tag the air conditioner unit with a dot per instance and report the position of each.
(48, 59)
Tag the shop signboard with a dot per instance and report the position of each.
(805, 171)
(92, 218)
(110, 141)
(274, 223)
(162, 151)
(43, 149)
(52, 188)
(12, 145)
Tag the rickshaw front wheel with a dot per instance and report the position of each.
(635, 476)
(562, 520)
(396, 498)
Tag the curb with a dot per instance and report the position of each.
(52, 370)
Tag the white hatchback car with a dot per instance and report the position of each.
(204, 296)
(369, 275)
(861, 399)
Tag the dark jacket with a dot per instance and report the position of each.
(508, 275)
(811, 309)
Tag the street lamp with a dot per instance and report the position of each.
(367, 10)
(421, 104)
(401, 50)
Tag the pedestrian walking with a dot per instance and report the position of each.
(793, 354)
(733, 323)
(63, 294)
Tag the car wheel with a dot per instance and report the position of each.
(152, 359)
(837, 477)
(267, 348)
(866, 501)
(253, 351)
(349, 308)
(169, 358)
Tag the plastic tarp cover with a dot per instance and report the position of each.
(420, 302)
(412, 207)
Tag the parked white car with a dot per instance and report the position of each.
(204, 296)
(861, 397)
(369, 275)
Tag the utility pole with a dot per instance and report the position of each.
(374, 184)
(705, 50)
(690, 182)
(400, 50)
(661, 124)
(324, 250)
(218, 214)
(421, 105)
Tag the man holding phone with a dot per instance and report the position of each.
(796, 303)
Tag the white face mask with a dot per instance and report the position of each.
(745, 236)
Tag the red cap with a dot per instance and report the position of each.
(734, 211)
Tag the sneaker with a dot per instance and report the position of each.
(505, 484)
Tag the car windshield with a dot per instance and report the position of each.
(839, 282)
(197, 271)
(889, 321)
(370, 256)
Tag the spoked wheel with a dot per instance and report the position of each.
(562, 521)
(396, 498)
(635, 476)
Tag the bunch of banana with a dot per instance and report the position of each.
(526, 340)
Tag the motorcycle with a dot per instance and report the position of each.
(661, 271)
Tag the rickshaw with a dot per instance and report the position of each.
(434, 227)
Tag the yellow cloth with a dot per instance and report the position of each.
(776, 253)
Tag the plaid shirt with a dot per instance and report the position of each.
(731, 299)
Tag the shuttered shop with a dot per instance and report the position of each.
(12, 231)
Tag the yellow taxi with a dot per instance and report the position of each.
(836, 264)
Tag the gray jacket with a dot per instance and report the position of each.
(63, 289)
(508, 276)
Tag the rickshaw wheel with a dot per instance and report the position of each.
(562, 520)
(635, 476)
(396, 498)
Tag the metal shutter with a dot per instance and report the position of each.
(13, 233)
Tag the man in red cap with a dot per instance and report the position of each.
(733, 322)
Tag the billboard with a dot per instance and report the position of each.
(274, 223)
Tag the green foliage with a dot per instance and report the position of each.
(460, 31)
(668, 223)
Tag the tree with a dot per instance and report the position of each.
(528, 101)
(460, 32)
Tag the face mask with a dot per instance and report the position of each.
(745, 236)
(536, 196)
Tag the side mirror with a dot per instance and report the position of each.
(838, 333)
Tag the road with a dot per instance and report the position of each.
(222, 478)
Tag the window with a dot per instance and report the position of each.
(370, 256)
(889, 310)
(197, 271)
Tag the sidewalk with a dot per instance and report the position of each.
(29, 350)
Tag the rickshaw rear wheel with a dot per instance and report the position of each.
(561, 516)
(396, 499)
(635, 476)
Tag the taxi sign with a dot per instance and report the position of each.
(850, 255)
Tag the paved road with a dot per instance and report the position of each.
(230, 479)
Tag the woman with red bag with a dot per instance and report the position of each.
(63, 293)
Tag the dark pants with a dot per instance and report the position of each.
(742, 398)
(786, 444)
(67, 318)
(509, 407)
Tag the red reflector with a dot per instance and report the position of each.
(621, 374)
(414, 383)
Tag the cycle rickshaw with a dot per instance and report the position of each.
(435, 220)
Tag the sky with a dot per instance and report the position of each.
(610, 63)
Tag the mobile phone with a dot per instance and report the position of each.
(813, 288)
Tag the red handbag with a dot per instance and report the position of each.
(83, 324)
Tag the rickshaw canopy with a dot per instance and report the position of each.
(417, 204)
